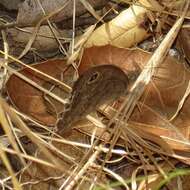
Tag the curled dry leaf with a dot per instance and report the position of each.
(30, 11)
(127, 29)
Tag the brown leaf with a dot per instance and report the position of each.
(168, 85)
(157, 105)
(30, 100)
(44, 40)
(161, 97)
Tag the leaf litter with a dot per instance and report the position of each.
(148, 129)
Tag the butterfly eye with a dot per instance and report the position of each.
(93, 78)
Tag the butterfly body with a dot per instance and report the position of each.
(96, 86)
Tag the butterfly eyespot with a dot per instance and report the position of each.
(93, 78)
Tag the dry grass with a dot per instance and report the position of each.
(74, 162)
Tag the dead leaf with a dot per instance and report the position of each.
(30, 100)
(161, 98)
(157, 105)
(45, 40)
(30, 12)
(126, 30)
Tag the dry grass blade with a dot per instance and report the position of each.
(6, 49)
(77, 174)
(182, 102)
(4, 121)
(36, 139)
(50, 146)
(150, 178)
(79, 42)
(28, 157)
(65, 87)
(116, 176)
(36, 85)
(5, 160)
(51, 27)
(142, 151)
(165, 148)
(9, 133)
(90, 9)
(30, 42)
